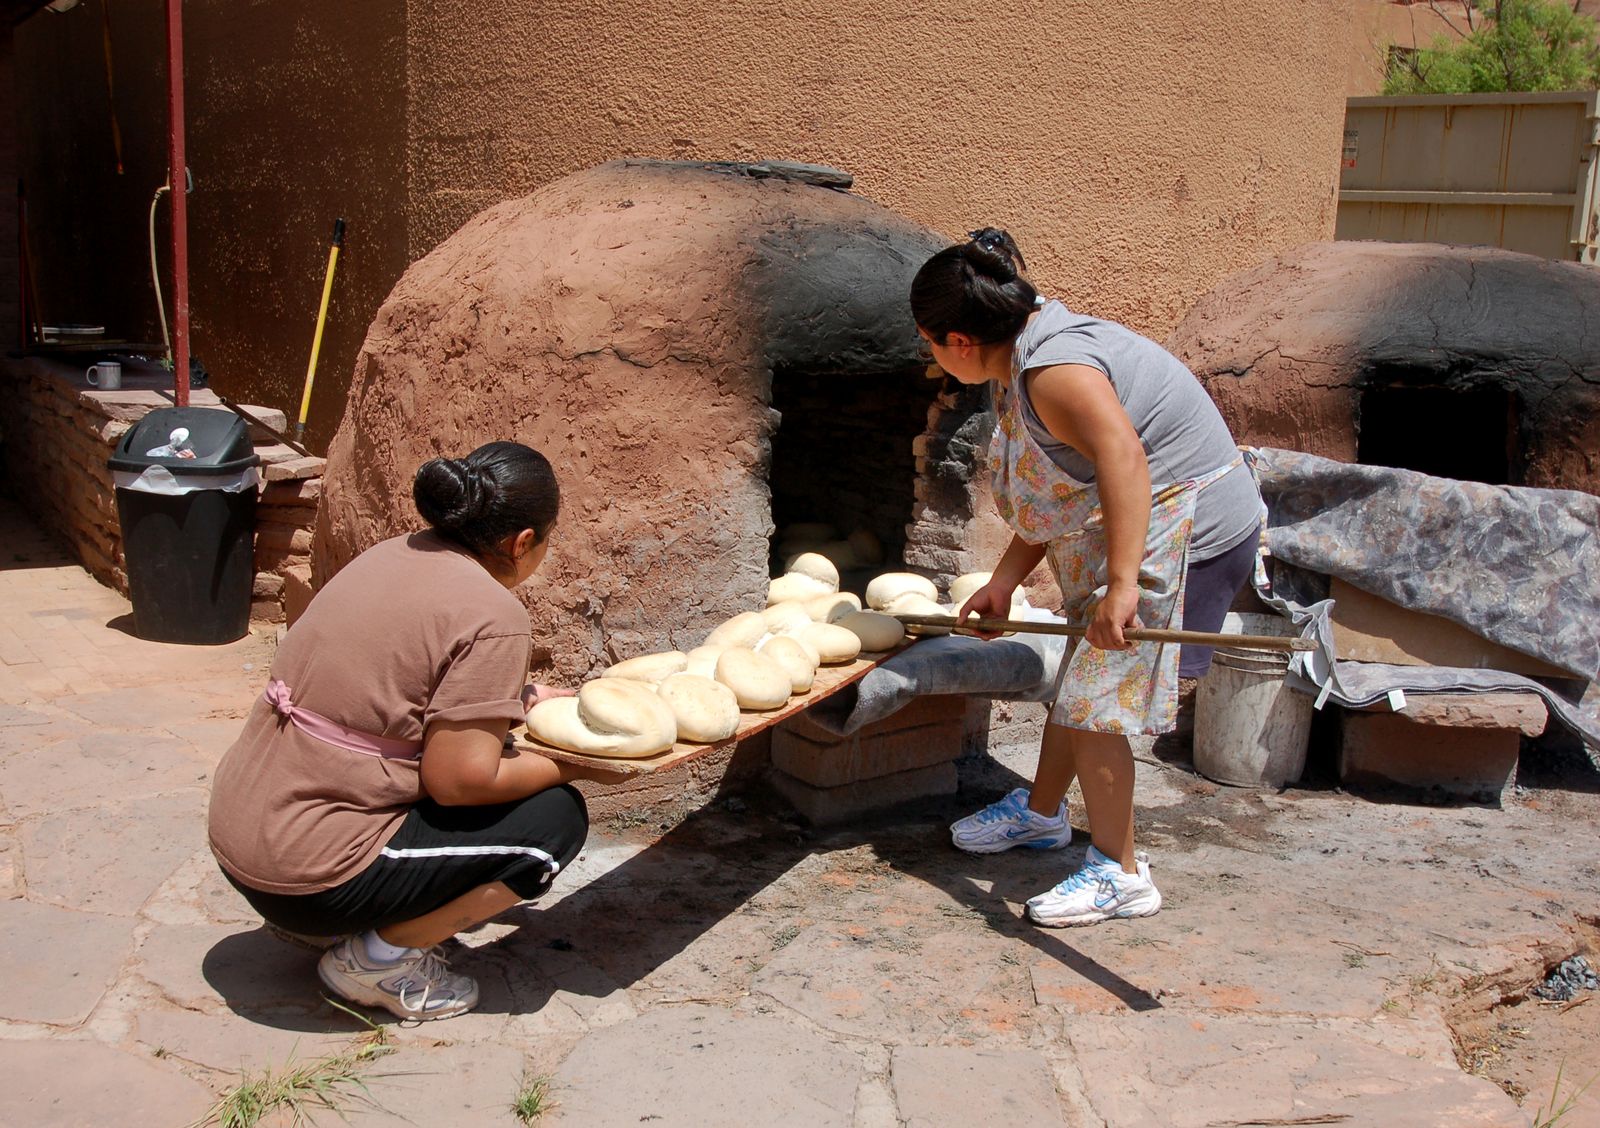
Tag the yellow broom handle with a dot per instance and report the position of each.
(322, 318)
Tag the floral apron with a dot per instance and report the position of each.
(1118, 691)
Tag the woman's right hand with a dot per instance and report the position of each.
(991, 601)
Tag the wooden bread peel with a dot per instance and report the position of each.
(1132, 634)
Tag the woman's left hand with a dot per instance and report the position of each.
(1117, 610)
(534, 694)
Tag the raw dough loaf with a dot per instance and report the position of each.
(703, 661)
(885, 588)
(781, 617)
(744, 629)
(832, 608)
(832, 643)
(876, 630)
(867, 547)
(649, 668)
(609, 717)
(795, 660)
(915, 603)
(706, 710)
(757, 682)
(814, 566)
(793, 585)
(963, 587)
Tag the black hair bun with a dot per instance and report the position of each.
(450, 494)
(994, 253)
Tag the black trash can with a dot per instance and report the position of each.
(188, 523)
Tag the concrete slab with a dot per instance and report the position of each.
(946, 1087)
(64, 960)
(77, 1084)
(1198, 1071)
(112, 858)
(708, 1069)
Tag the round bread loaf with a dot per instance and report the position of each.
(795, 660)
(832, 643)
(876, 630)
(703, 661)
(962, 587)
(815, 566)
(868, 548)
(757, 682)
(706, 710)
(649, 668)
(887, 587)
(744, 629)
(793, 585)
(832, 608)
(609, 717)
(839, 553)
(785, 616)
(915, 603)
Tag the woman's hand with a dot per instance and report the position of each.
(534, 694)
(1117, 610)
(991, 601)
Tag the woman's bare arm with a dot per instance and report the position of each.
(1078, 405)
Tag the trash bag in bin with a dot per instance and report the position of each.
(186, 499)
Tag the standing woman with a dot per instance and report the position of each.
(373, 795)
(1111, 462)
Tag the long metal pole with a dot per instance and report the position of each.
(178, 178)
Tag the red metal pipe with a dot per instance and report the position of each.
(178, 178)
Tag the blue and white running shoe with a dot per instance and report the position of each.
(1099, 891)
(1009, 822)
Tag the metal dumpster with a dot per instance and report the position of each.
(1516, 171)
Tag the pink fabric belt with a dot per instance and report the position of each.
(331, 732)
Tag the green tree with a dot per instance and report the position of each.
(1506, 45)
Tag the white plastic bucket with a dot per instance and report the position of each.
(1250, 729)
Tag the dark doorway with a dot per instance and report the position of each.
(842, 457)
(1469, 434)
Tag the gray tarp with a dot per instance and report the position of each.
(1520, 567)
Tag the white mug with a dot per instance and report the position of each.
(109, 373)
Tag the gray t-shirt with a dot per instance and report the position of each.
(1182, 430)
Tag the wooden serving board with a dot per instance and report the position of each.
(829, 680)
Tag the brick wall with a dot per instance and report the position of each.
(56, 433)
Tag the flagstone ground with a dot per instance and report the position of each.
(728, 966)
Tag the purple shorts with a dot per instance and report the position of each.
(1208, 592)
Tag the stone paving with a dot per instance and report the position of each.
(726, 966)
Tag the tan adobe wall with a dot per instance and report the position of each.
(1139, 152)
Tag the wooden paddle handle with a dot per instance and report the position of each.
(1132, 634)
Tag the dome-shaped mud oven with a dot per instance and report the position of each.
(1462, 362)
(710, 356)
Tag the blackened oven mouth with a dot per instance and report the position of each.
(843, 476)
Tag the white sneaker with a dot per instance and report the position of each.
(418, 985)
(1007, 823)
(1099, 891)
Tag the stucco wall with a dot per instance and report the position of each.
(1139, 151)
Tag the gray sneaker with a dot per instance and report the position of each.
(419, 985)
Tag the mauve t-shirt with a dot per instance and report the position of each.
(412, 632)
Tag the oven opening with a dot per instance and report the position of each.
(844, 470)
(1470, 434)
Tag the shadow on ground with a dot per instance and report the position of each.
(632, 920)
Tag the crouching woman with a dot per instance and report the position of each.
(372, 795)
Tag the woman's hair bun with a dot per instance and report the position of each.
(992, 251)
(450, 494)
